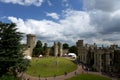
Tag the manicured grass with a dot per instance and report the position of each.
(50, 66)
(88, 77)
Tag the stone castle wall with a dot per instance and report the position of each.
(101, 58)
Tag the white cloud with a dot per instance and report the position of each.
(97, 24)
(65, 30)
(53, 15)
(116, 13)
(78, 21)
(25, 2)
(21, 25)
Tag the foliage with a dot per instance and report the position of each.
(88, 77)
(11, 57)
(73, 49)
(65, 46)
(8, 77)
(24, 46)
(38, 49)
(47, 66)
(52, 53)
(45, 49)
(39, 44)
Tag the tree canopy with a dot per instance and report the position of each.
(73, 49)
(11, 52)
(65, 46)
(45, 49)
(38, 49)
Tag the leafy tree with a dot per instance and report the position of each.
(52, 51)
(39, 44)
(65, 46)
(24, 46)
(45, 49)
(11, 57)
(73, 49)
(8, 77)
(38, 49)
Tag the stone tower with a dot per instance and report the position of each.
(81, 51)
(55, 49)
(31, 42)
(58, 51)
(79, 43)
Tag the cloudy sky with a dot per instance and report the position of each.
(94, 21)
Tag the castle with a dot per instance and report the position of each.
(31, 42)
(102, 59)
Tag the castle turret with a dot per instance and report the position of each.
(55, 49)
(58, 51)
(31, 42)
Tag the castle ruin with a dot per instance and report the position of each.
(58, 51)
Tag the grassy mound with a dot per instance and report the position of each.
(88, 77)
(50, 66)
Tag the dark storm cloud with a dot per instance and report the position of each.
(87, 35)
(111, 39)
(104, 23)
(43, 37)
(105, 17)
(104, 5)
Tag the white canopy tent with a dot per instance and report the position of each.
(28, 57)
(73, 55)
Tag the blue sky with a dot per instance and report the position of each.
(38, 12)
(95, 21)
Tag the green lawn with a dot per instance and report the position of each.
(88, 77)
(50, 66)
